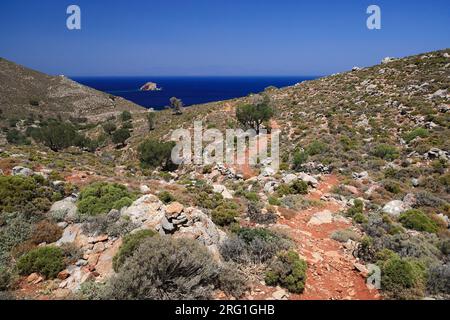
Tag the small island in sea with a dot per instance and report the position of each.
(150, 86)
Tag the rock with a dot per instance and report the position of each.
(436, 153)
(308, 179)
(289, 178)
(166, 225)
(267, 172)
(415, 182)
(356, 68)
(150, 86)
(81, 263)
(226, 194)
(361, 268)
(148, 210)
(395, 208)
(104, 264)
(322, 217)
(410, 200)
(65, 209)
(22, 171)
(98, 247)
(388, 60)
(280, 294)
(33, 277)
(174, 210)
(181, 219)
(441, 93)
(69, 234)
(77, 277)
(362, 175)
(444, 219)
(95, 240)
(202, 229)
(270, 186)
(144, 189)
(62, 224)
(63, 275)
(351, 189)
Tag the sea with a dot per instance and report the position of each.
(192, 90)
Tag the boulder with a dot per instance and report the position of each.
(267, 172)
(310, 180)
(201, 228)
(174, 210)
(218, 188)
(388, 60)
(147, 210)
(22, 171)
(395, 208)
(65, 209)
(361, 175)
(280, 294)
(104, 264)
(144, 189)
(322, 217)
(270, 186)
(289, 178)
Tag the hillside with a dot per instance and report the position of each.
(24, 91)
(362, 192)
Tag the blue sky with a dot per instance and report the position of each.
(217, 37)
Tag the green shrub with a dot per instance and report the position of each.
(125, 116)
(300, 157)
(418, 132)
(253, 245)
(153, 154)
(401, 278)
(14, 136)
(204, 197)
(46, 231)
(101, 197)
(109, 127)
(299, 187)
(225, 213)
(47, 261)
(274, 201)
(120, 136)
(417, 220)
(254, 115)
(130, 243)
(385, 151)
(5, 279)
(287, 271)
(163, 268)
(59, 135)
(166, 197)
(316, 147)
(24, 194)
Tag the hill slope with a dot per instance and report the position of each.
(24, 91)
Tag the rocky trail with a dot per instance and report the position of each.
(331, 270)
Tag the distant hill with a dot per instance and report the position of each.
(24, 91)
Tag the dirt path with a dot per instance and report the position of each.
(331, 273)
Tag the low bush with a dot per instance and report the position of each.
(46, 231)
(111, 224)
(29, 195)
(130, 243)
(5, 279)
(287, 271)
(15, 229)
(274, 201)
(253, 245)
(101, 197)
(231, 280)
(402, 278)
(153, 154)
(345, 235)
(439, 280)
(386, 152)
(418, 132)
(163, 268)
(47, 261)
(254, 212)
(14, 136)
(417, 220)
(225, 213)
(166, 197)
